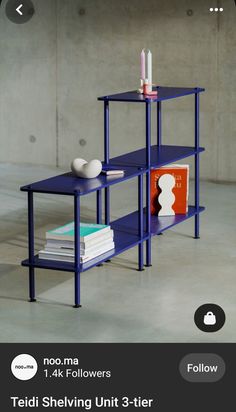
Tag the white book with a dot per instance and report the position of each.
(105, 256)
(69, 257)
(83, 252)
(113, 172)
(87, 231)
(83, 245)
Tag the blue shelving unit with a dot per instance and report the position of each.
(69, 185)
(135, 228)
(157, 155)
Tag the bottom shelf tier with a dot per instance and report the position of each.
(123, 240)
(125, 237)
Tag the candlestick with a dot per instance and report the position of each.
(149, 70)
(142, 58)
(146, 74)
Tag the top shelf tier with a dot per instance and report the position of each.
(164, 93)
(159, 156)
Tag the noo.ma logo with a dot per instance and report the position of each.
(24, 367)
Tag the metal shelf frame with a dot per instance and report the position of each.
(135, 228)
(164, 93)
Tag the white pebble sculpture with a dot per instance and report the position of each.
(86, 170)
(166, 198)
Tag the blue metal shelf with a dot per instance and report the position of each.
(158, 224)
(164, 93)
(137, 227)
(160, 156)
(124, 239)
(67, 184)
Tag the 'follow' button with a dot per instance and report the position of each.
(202, 367)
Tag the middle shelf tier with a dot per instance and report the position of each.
(160, 156)
(159, 224)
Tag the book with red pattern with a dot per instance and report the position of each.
(181, 189)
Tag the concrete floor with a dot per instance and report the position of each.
(119, 303)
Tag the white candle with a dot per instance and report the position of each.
(149, 69)
(142, 57)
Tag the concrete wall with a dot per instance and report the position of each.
(53, 68)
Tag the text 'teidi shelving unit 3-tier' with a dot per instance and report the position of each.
(137, 227)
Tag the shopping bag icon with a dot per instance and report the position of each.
(209, 319)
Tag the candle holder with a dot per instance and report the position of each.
(146, 74)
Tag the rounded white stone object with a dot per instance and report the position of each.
(86, 170)
(166, 198)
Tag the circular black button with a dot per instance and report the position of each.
(19, 12)
(209, 317)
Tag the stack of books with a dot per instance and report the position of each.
(95, 240)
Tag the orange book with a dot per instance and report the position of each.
(181, 189)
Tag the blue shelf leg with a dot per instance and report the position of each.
(106, 159)
(31, 246)
(77, 249)
(197, 161)
(107, 206)
(99, 212)
(159, 132)
(159, 143)
(99, 207)
(106, 132)
(148, 164)
(140, 223)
